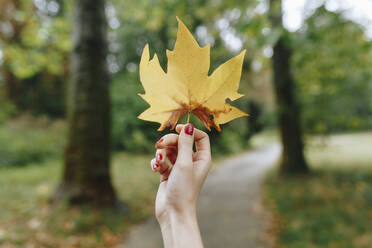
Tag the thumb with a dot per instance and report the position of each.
(185, 145)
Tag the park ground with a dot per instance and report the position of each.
(329, 208)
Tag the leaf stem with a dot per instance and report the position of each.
(188, 117)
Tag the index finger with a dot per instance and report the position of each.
(167, 141)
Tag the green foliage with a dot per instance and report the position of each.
(39, 41)
(228, 142)
(128, 132)
(332, 65)
(28, 140)
(34, 49)
(7, 111)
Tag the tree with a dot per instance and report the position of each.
(86, 177)
(332, 67)
(35, 48)
(293, 159)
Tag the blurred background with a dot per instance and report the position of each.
(307, 77)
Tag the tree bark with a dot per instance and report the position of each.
(86, 177)
(293, 159)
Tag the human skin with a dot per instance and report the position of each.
(180, 185)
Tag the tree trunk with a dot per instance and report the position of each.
(86, 177)
(293, 159)
(10, 86)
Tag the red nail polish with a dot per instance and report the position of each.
(189, 129)
(159, 157)
(155, 167)
(159, 141)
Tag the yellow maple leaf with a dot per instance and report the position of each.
(186, 86)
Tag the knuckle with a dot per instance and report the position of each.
(184, 140)
(204, 133)
(207, 138)
(166, 137)
(169, 136)
(166, 140)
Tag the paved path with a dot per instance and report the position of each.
(230, 214)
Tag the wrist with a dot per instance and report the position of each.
(183, 217)
(164, 219)
(172, 214)
(187, 211)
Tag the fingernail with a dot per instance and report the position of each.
(189, 129)
(159, 157)
(155, 167)
(159, 141)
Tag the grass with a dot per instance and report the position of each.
(342, 151)
(28, 139)
(332, 207)
(28, 219)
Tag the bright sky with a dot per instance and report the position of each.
(295, 11)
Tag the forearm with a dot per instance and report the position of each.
(166, 231)
(180, 229)
(185, 230)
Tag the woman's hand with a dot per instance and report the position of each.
(181, 183)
